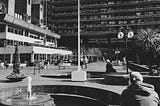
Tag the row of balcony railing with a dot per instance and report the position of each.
(107, 29)
(86, 4)
(113, 17)
(110, 22)
(119, 3)
(114, 24)
(105, 11)
(25, 33)
(10, 43)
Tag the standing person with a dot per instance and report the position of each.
(6, 64)
(81, 62)
(124, 63)
(139, 93)
(46, 64)
(85, 61)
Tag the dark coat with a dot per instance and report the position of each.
(140, 95)
(109, 68)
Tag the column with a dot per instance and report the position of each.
(46, 57)
(32, 57)
(11, 58)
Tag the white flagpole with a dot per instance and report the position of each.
(79, 51)
(79, 75)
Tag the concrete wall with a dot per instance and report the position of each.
(37, 13)
(10, 6)
(105, 96)
(20, 6)
(23, 7)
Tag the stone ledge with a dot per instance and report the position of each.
(105, 96)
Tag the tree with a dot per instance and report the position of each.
(147, 41)
(16, 64)
(16, 75)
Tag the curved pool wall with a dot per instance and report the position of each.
(101, 95)
(75, 100)
(119, 79)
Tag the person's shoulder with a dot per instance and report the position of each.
(147, 85)
(125, 91)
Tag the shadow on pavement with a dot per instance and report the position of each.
(9, 81)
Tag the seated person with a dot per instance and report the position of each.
(139, 93)
(109, 67)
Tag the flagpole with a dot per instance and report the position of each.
(79, 52)
(79, 75)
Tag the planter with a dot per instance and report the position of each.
(16, 77)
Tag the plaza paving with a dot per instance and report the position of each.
(52, 70)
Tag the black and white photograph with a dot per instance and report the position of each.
(79, 52)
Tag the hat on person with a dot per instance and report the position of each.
(107, 60)
(136, 76)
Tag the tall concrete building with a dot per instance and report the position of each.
(101, 20)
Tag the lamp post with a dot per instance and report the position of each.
(125, 33)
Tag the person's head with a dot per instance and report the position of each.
(135, 78)
(108, 61)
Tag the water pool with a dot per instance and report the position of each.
(75, 100)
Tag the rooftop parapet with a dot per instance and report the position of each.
(15, 21)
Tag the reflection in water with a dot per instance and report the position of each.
(75, 101)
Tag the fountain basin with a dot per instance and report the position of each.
(22, 100)
(84, 92)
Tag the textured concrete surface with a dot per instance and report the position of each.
(53, 70)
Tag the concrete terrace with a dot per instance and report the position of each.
(37, 79)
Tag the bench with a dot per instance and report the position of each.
(22, 65)
(2, 65)
(64, 65)
(137, 67)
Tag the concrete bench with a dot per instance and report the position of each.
(137, 67)
(64, 65)
(21, 65)
(2, 65)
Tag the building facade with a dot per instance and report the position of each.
(35, 43)
(101, 20)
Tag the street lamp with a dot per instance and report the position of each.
(126, 33)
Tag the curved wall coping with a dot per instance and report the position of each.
(52, 85)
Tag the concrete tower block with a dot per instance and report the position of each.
(11, 7)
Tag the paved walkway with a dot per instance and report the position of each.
(92, 67)
(38, 80)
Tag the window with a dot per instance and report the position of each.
(26, 33)
(2, 43)
(10, 42)
(9, 29)
(2, 27)
(16, 31)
